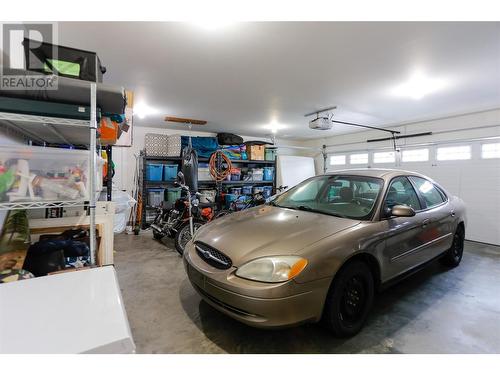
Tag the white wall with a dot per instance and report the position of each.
(124, 159)
(476, 181)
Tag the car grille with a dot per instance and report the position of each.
(213, 256)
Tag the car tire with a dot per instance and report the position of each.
(184, 232)
(453, 255)
(349, 299)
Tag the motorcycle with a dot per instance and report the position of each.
(182, 218)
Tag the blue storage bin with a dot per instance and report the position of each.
(267, 191)
(230, 198)
(247, 189)
(235, 191)
(170, 172)
(154, 172)
(268, 173)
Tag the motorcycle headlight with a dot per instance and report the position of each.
(272, 269)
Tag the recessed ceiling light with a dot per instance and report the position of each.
(418, 86)
(274, 126)
(142, 110)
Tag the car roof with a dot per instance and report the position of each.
(386, 174)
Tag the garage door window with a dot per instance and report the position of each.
(416, 155)
(428, 191)
(384, 157)
(454, 153)
(490, 151)
(337, 160)
(358, 159)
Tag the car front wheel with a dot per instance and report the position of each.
(349, 299)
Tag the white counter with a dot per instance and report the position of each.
(73, 312)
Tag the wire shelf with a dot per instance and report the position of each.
(40, 204)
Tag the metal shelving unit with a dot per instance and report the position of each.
(55, 130)
(145, 184)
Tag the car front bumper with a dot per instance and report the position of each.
(257, 304)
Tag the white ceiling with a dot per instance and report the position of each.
(240, 77)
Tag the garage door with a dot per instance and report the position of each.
(470, 171)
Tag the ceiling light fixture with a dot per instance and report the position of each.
(142, 110)
(418, 86)
(274, 126)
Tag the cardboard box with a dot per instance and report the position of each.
(255, 152)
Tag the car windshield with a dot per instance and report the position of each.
(345, 196)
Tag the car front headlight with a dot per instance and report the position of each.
(272, 269)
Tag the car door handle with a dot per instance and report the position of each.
(425, 222)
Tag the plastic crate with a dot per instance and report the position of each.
(170, 172)
(270, 154)
(155, 197)
(156, 144)
(257, 174)
(173, 194)
(268, 173)
(44, 174)
(267, 191)
(174, 145)
(154, 172)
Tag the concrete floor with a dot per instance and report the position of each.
(435, 311)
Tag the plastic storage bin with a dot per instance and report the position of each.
(173, 194)
(30, 173)
(247, 189)
(156, 144)
(170, 172)
(230, 198)
(257, 174)
(270, 154)
(154, 172)
(268, 173)
(155, 197)
(267, 191)
(174, 145)
(204, 172)
(235, 191)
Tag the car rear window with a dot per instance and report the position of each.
(431, 195)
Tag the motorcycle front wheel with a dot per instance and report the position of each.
(183, 235)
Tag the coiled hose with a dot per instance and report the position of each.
(219, 175)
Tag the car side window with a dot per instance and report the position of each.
(431, 195)
(401, 192)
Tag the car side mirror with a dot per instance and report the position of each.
(402, 211)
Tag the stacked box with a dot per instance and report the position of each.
(174, 145)
(255, 152)
(156, 144)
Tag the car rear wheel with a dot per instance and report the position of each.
(349, 300)
(453, 256)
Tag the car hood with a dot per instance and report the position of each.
(268, 230)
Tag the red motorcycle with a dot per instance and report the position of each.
(182, 218)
